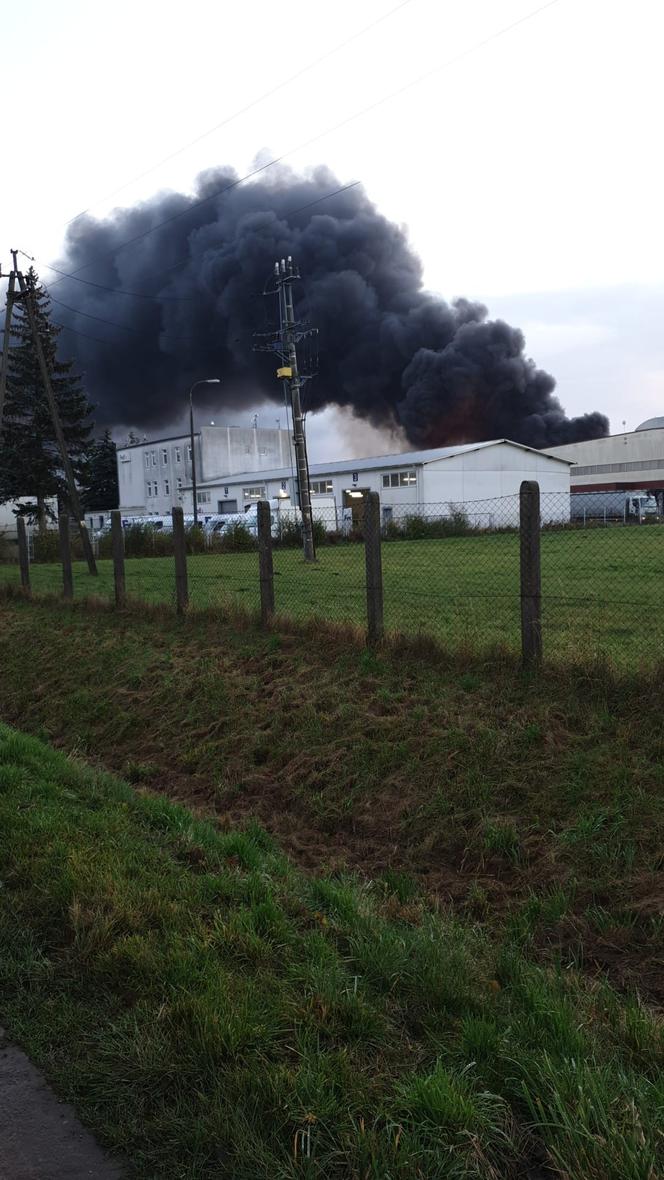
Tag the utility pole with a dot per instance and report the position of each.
(26, 297)
(284, 343)
(4, 360)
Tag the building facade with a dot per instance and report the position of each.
(155, 477)
(479, 475)
(621, 462)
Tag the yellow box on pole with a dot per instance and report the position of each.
(286, 371)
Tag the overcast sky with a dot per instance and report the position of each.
(528, 173)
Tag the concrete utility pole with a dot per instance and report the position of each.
(4, 360)
(285, 345)
(26, 297)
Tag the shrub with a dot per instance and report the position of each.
(195, 539)
(289, 533)
(7, 550)
(46, 545)
(237, 538)
(415, 527)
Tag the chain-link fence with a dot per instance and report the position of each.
(451, 571)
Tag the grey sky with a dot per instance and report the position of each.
(528, 173)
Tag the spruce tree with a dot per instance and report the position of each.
(30, 464)
(102, 488)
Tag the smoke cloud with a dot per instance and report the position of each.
(389, 351)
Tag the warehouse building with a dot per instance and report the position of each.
(478, 475)
(621, 462)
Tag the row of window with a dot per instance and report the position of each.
(153, 487)
(318, 487)
(604, 468)
(400, 479)
(151, 457)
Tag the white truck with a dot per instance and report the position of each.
(633, 506)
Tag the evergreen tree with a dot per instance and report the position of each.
(30, 464)
(102, 487)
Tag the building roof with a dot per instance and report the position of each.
(373, 462)
(651, 424)
(154, 442)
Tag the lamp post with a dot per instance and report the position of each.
(205, 381)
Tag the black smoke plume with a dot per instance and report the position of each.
(389, 350)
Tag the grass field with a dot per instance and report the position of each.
(601, 588)
(215, 1013)
(534, 803)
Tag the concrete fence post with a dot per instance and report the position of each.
(65, 554)
(180, 551)
(531, 573)
(23, 553)
(265, 566)
(374, 568)
(117, 544)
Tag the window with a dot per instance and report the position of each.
(101, 522)
(178, 455)
(203, 497)
(179, 481)
(189, 453)
(92, 523)
(147, 459)
(400, 479)
(164, 457)
(321, 487)
(257, 493)
(154, 458)
(167, 487)
(149, 488)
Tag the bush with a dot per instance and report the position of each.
(236, 538)
(7, 550)
(195, 539)
(46, 545)
(289, 533)
(418, 528)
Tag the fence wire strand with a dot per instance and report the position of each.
(451, 571)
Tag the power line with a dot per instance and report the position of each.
(88, 315)
(249, 106)
(155, 274)
(138, 331)
(116, 291)
(479, 45)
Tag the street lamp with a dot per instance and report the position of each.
(205, 381)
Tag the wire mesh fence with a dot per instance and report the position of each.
(451, 571)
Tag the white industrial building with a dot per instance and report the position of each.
(621, 462)
(478, 475)
(155, 477)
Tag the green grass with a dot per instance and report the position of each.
(601, 588)
(536, 803)
(215, 1013)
